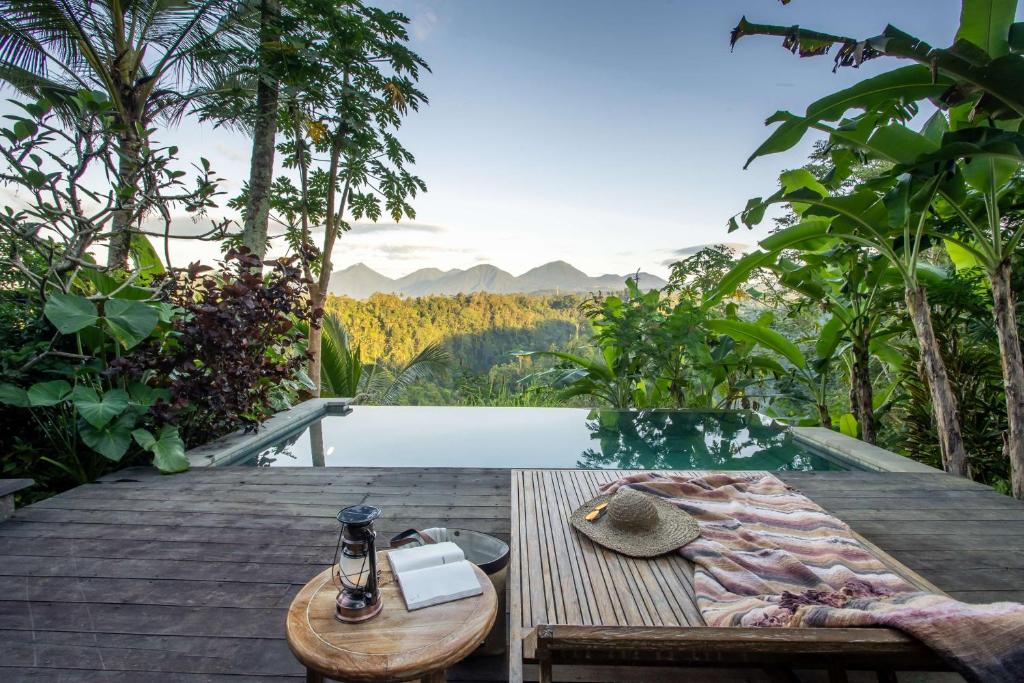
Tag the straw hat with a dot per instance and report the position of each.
(636, 524)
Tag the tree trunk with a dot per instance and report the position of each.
(824, 417)
(944, 403)
(318, 290)
(861, 397)
(316, 331)
(1005, 314)
(261, 164)
(128, 165)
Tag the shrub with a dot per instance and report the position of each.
(234, 355)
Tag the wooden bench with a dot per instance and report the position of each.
(573, 602)
(8, 487)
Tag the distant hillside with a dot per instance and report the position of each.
(360, 281)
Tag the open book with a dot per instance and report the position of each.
(433, 574)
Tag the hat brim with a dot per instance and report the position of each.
(675, 528)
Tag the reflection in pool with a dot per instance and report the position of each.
(371, 436)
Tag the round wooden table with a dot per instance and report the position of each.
(396, 645)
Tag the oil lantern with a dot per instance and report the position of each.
(356, 566)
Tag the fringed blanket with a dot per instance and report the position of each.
(769, 556)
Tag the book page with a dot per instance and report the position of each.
(432, 555)
(439, 584)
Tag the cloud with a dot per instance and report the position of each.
(231, 153)
(414, 251)
(423, 25)
(367, 228)
(735, 247)
(276, 229)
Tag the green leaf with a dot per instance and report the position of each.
(732, 280)
(168, 450)
(112, 440)
(144, 396)
(900, 144)
(765, 336)
(906, 84)
(766, 363)
(599, 369)
(23, 128)
(45, 394)
(848, 425)
(70, 313)
(13, 396)
(961, 258)
(145, 258)
(106, 285)
(130, 321)
(986, 23)
(887, 353)
(829, 337)
(935, 127)
(98, 410)
(799, 235)
(801, 179)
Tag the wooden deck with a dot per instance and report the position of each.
(187, 578)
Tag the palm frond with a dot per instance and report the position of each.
(340, 364)
(431, 359)
(35, 85)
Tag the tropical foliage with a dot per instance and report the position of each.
(344, 374)
(954, 182)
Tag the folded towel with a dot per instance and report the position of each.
(769, 556)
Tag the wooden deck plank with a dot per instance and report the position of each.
(192, 573)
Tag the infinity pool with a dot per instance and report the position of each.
(416, 436)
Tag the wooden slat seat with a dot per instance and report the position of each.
(573, 602)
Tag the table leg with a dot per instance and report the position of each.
(435, 677)
(314, 676)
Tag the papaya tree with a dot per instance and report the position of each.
(340, 130)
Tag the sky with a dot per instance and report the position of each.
(607, 134)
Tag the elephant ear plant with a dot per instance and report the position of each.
(85, 403)
(81, 390)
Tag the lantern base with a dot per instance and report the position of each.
(352, 610)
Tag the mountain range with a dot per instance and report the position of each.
(360, 281)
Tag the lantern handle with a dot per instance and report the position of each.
(412, 536)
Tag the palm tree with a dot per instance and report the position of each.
(151, 58)
(343, 374)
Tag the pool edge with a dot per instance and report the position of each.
(235, 446)
(856, 452)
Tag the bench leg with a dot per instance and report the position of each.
(781, 675)
(837, 676)
(436, 677)
(545, 671)
(314, 676)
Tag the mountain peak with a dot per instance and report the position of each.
(360, 281)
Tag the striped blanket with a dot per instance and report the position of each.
(769, 556)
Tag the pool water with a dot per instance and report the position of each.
(416, 436)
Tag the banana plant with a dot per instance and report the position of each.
(856, 289)
(977, 79)
(812, 375)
